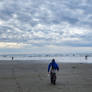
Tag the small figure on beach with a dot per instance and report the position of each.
(86, 57)
(12, 58)
(52, 67)
(73, 54)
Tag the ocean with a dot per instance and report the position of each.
(63, 58)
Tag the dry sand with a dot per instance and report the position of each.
(20, 76)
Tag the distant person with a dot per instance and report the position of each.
(52, 67)
(86, 57)
(73, 54)
(12, 58)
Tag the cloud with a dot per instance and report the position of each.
(45, 23)
(11, 45)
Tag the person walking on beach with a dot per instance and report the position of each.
(52, 67)
(12, 58)
(86, 57)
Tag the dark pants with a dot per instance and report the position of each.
(53, 77)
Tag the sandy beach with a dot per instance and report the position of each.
(22, 76)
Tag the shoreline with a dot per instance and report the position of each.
(43, 61)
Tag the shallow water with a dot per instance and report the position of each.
(64, 59)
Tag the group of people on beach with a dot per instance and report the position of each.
(53, 66)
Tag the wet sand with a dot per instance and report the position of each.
(22, 76)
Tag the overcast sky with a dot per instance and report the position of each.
(45, 26)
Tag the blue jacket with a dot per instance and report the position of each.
(54, 65)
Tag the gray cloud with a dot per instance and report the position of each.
(46, 22)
